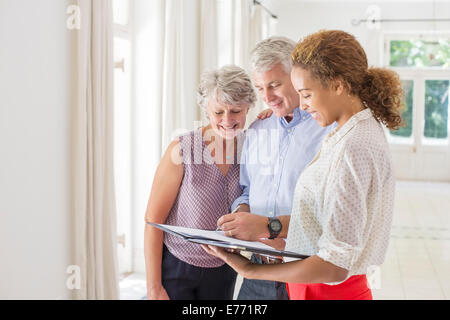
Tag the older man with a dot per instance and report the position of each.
(275, 153)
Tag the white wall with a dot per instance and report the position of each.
(298, 18)
(35, 95)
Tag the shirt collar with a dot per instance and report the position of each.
(298, 117)
(337, 134)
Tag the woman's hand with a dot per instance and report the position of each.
(240, 264)
(265, 114)
(157, 293)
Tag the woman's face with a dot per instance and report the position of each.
(322, 103)
(226, 120)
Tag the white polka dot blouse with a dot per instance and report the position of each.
(343, 201)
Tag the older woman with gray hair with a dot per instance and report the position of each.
(195, 184)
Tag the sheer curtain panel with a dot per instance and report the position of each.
(94, 215)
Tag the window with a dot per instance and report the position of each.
(122, 131)
(121, 12)
(436, 109)
(423, 63)
(406, 131)
(421, 149)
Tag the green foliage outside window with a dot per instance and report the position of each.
(436, 109)
(424, 54)
(420, 53)
(406, 131)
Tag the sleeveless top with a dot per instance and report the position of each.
(204, 196)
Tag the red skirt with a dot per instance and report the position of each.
(354, 288)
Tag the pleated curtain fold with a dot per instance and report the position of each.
(94, 212)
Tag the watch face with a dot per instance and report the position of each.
(275, 225)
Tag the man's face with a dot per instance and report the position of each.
(275, 88)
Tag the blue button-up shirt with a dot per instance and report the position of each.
(274, 154)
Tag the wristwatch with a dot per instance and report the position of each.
(274, 226)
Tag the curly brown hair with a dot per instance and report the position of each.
(337, 55)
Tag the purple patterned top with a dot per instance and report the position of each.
(205, 195)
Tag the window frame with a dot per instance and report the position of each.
(125, 32)
(419, 75)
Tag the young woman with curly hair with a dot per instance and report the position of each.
(343, 201)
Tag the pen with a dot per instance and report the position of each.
(235, 210)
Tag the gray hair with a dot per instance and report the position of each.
(272, 51)
(228, 85)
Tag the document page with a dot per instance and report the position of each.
(218, 238)
(216, 235)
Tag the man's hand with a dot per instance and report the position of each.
(244, 226)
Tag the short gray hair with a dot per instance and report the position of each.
(228, 85)
(272, 51)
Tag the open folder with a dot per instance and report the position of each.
(219, 239)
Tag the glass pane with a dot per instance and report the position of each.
(406, 131)
(121, 11)
(420, 53)
(436, 109)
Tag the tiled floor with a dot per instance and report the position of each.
(133, 287)
(417, 264)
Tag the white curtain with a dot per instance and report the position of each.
(208, 35)
(250, 25)
(94, 221)
(179, 79)
(186, 38)
(166, 76)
